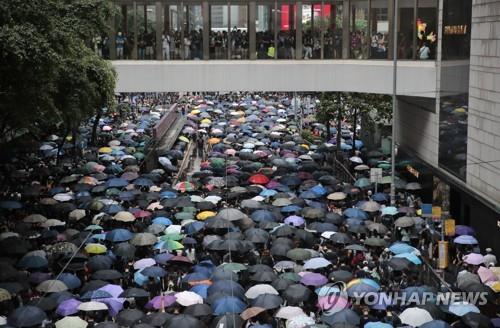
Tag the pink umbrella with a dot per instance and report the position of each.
(333, 303)
(272, 184)
(486, 275)
(144, 263)
(473, 259)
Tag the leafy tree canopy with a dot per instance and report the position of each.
(49, 74)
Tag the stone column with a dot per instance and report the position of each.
(252, 16)
(159, 30)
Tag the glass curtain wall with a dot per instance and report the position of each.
(379, 29)
(360, 40)
(239, 31)
(264, 31)
(219, 29)
(124, 38)
(286, 25)
(332, 22)
(407, 29)
(146, 20)
(426, 29)
(171, 41)
(311, 31)
(456, 29)
(193, 32)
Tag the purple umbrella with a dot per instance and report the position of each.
(160, 302)
(464, 230)
(68, 307)
(465, 240)
(313, 279)
(38, 277)
(163, 258)
(115, 305)
(295, 220)
(113, 290)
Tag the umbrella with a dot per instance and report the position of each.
(185, 321)
(404, 222)
(68, 307)
(129, 317)
(144, 239)
(476, 320)
(267, 301)
(316, 263)
(92, 306)
(415, 317)
(251, 312)
(26, 316)
(296, 293)
(153, 271)
(313, 279)
(52, 286)
(465, 240)
(187, 298)
(289, 312)
(462, 308)
(298, 254)
(71, 322)
(259, 289)
(160, 302)
(343, 316)
(229, 304)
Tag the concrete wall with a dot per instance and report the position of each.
(417, 78)
(484, 100)
(418, 130)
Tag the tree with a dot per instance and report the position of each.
(332, 104)
(48, 72)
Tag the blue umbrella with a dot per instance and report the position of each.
(355, 213)
(344, 146)
(410, 257)
(33, 262)
(465, 240)
(319, 190)
(70, 280)
(389, 210)
(228, 304)
(119, 235)
(201, 290)
(143, 182)
(380, 197)
(163, 258)
(116, 183)
(400, 248)
(436, 324)
(96, 294)
(229, 286)
(358, 144)
(291, 209)
(153, 271)
(126, 195)
(10, 205)
(362, 183)
(112, 209)
(377, 324)
(168, 194)
(268, 193)
(162, 220)
(308, 194)
(194, 227)
(461, 308)
(97, 237)
(263, 216)
(196, 276)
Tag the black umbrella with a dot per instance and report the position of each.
(100, 262)
(341, 238)
(198, 310)
(268, 301)
(400, 263)
(280, 249)
(26, 316)
(296, 293)
(93, 285)
(7, 272)
(476, 320)
(259, 268)
(134, 292)
(257, 235)
(107, 324)
(157, 319)
(125, 250)
(264, 277)
(230, 320)
(184, 321)
(106, 275)
(340, 275)
(335, 218)
(281, 284)
(218, 223)
(129, 317)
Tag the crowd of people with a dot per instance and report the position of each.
(262, 234)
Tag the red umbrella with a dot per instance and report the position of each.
(142, 214)
(258, 179)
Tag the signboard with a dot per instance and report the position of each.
(449, 227)
(375, 175)
(436, 213)
(443, 254)
(426, 210)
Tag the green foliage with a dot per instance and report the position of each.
(49, 75)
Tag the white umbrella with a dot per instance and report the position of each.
(289, 312)
(255, 291)
(337, 196)
(77, 214)
(92, 306)
(63, 197)
(52, 286)
(356, 159)
(213, 199)
(123, 216)
(300, 321)
(174, 228)
(71, 322)
(316, 263)
(328, 234)
(197, 199)
(415, 317)
(187, 298)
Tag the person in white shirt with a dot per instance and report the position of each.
(166, 47)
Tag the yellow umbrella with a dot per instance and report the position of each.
(195, 112)
(305, 146)
(105, 150)
(459, 110)
(213, 141)
(495, 286)
(95, 249)
(183, 138)
(205, 121)
(241, 120)
(205, 215)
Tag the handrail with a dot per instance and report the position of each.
(185, 162)
(346, 172)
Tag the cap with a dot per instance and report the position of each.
(489, 250)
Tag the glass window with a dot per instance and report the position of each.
(122, 37)
(456, 29)
(453, 134)
(360, 40)
(219, 27)
(311, 31)
(239, 32)
(146, 32)
(171, 41)
(286, 30)
(264, 31)
(406, 29)
(379, 29)
(426, 29)
(332, 20)
(193, 32)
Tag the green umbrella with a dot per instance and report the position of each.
(362, 183)
(292, 276)
(139, 155)
(189, 209)
(171, 245)
(184, 216)
(233, 266)
(217, 163)
(172, 236)
(298, 254)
